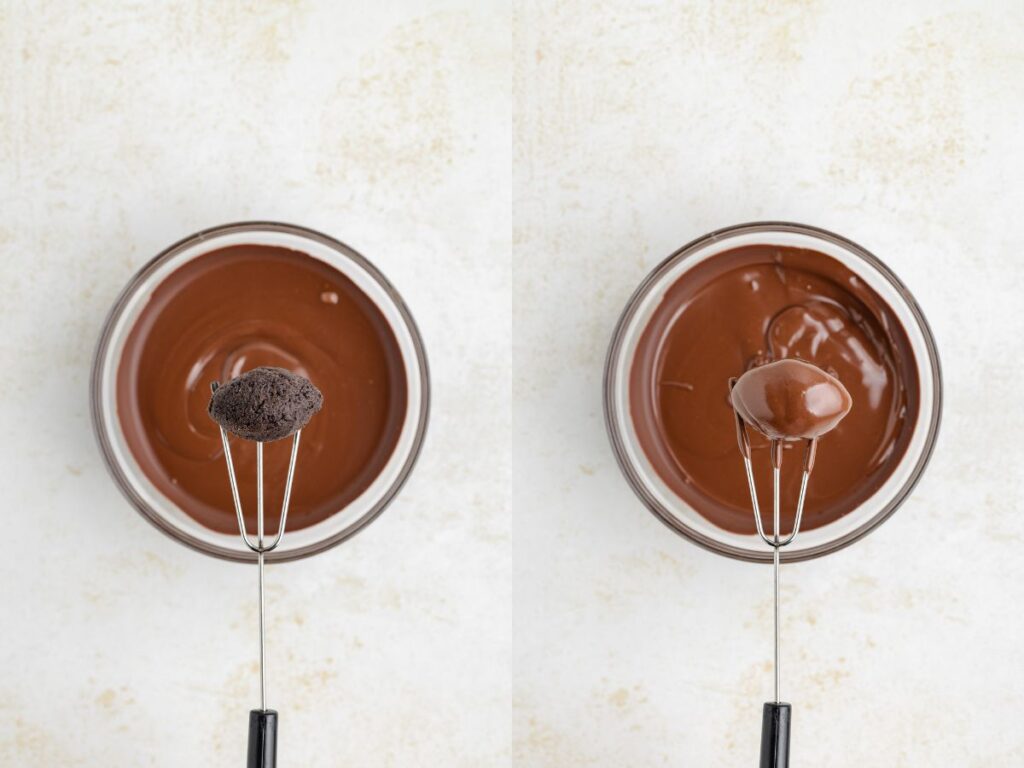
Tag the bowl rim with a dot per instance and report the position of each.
(633, 475)
(98, 410)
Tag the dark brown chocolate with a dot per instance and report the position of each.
(240, 308)
(265, 404)
(790, 400)
(754, 305)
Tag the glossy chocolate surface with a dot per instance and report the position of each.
(790, 400)
(741, 309)
(236, 309)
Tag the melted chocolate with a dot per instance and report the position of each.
(790, 400)
(236, 309)
(747, 307)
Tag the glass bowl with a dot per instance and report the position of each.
(681, 516)
(165, 514)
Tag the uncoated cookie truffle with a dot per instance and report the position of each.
(265, 404)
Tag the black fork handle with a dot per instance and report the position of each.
(262, 739)
(775, 736)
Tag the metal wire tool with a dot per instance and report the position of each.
(262, 751)
(776, 715)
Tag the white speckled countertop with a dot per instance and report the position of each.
(515, 169)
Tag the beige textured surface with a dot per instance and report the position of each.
(515, 169)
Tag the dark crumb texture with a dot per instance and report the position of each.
(265, 404)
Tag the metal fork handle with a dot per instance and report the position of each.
(775, 735)
(262, 739)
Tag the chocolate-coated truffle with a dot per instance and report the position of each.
(790, 400)
(265, 404)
